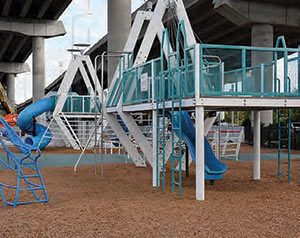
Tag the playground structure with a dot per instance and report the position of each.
(189, 76)
(147, 111)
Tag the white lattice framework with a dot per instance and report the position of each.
(155, 29)
(76, 127)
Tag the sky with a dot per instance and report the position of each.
(56, 56)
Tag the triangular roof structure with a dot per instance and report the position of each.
(83, 65)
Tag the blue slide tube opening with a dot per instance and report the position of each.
(38, 137)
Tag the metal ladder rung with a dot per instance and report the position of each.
(26, 163)
(177, 183)
(30, 176)
(176, 157)
(30, 189)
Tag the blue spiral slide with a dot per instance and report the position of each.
(38, 137)
(214, 168)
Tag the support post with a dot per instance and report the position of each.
(299, 69)
(200, 174)
(38, 67)
(289, 123)
(10, 80)
(155, 168)
(256, 139)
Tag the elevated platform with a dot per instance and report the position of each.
(219, 104)
(217, 77)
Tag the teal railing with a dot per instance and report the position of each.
(236, 73)
(137, 84)
(79, 104)
(225, 70)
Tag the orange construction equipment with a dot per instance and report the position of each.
(4, 101)
(11, 119)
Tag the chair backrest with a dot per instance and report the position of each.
(13, 137)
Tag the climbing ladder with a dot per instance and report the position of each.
(29, 186)
(177, 143)
(160, 90)
(169, 85)
(286, 127)
(177, 76)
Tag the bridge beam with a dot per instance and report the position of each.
(13, 68)
(245, 12)
(33, 27)
(262, 17)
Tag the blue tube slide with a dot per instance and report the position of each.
(214, 168)
(26, 122)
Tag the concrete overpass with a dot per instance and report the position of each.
(237, 22)
(24, 24)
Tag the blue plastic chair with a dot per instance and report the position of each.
(29, 181)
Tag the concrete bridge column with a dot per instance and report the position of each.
(119, 25)
(262, 36)
(38, 67)
(10, 80)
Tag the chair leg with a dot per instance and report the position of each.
(2, 196)
(42, 183)
(18, 186)
(29, 185)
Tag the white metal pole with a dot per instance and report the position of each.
(256, 139)
(102, 111)
(200, 133)
(96, 116)
(200, 175)
(155, 151)
(155, 173)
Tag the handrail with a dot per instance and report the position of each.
(248, 48)
(280, 40)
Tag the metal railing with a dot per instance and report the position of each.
(225, 70)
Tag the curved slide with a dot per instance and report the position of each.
(214, 168)
(26, 122)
